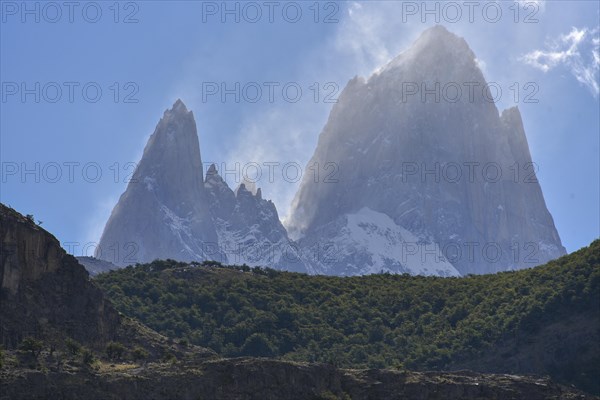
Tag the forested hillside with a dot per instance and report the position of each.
(378, 321)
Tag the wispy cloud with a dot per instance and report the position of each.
(275, 150)
(578, 51)
(361, 34)
(94, 225)
(286, 134)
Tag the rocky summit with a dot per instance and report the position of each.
(430, 177)
(163, 212)
(170, 211)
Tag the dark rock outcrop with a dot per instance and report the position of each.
(261, 379)
(44, 291)
(46, 294)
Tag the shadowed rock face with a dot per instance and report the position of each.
(448, 169)
(46, 294)
(170, 211)
(45, 290)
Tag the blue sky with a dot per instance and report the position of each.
(152, 52)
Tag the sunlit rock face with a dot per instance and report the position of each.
(430, 168)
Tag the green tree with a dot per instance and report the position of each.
(87, 357)
(31, 345)
(139, 353)
(257, 345)
(72, 346)
(386, 320)
(115, 350)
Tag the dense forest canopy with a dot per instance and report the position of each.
(375, 321)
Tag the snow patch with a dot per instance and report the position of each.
(371, 242)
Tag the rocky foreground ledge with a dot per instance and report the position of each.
(251, 378)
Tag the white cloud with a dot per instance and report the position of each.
(361, 35)
(287, 133)
(577, 51)
(276, 146)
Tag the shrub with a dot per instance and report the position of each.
(31, 345)
(72, 346)
(168, 357)
(87, 357)
(257, 345)
(139, 353)
(115, 350)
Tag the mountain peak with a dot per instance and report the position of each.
(439, 35)
(178, 110)
(374, 124)
(212, 170)
(437, 30)
(435, 46)
(214, 180)
(161, 211)
(246, 185)
(179, 106)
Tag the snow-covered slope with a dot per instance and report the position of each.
(248, 227)
(369, 242)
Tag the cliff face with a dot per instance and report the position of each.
(37, 253)
(275, 380)
(568, 349)
(44, 290)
